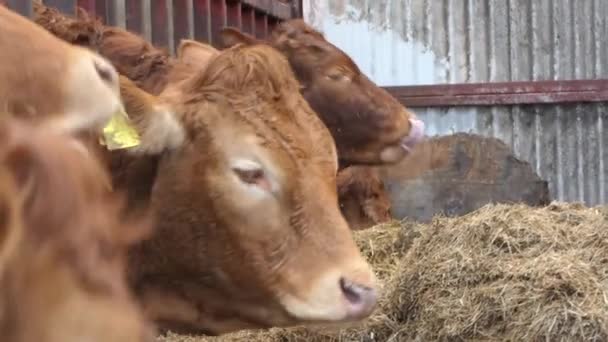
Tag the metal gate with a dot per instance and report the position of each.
(165, 22)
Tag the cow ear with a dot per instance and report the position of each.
(231, 36)
(17, 186)
(344, 180)
(195, 53)
(158, 127)
(10, 221)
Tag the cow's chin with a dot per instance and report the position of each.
(218, 314)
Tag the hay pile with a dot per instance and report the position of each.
(500, 273)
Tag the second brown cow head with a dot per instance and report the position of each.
(249, 233)
(369, 125)
(363, 200)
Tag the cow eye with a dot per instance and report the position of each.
(249, 176)
(251, 173)
(336, 76)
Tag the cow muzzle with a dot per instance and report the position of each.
(335, 298)
(395, 153)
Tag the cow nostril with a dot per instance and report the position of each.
(355, 293)
(350, 290)
(104, 72)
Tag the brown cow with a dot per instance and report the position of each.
(152, 69)
(63, 244)
(367, 123)
(249, 231)
(43, 76)
(240, 173)
(362, 197)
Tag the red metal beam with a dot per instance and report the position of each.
(181, 29)
(88, 6)
(272, 23)
(248, 19)
(101, 10)
(218, 20)
(160, 21)
(273, 8)
(135, 21)
(502, 93)
(202, 20)
(233, 14)
(261, 25)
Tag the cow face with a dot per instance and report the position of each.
(249, 230)
(368, 124)
(362, 197)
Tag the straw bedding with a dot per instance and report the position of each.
(501, 273)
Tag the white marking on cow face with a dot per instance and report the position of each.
(257, 181)
(334, 297)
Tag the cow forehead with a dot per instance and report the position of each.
(254, 87)
(284, 137)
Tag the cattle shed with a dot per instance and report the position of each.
(531, 73)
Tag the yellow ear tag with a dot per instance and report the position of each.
(119, 133)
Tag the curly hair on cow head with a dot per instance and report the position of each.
(130, 53)
(258, 69)
(84, 30)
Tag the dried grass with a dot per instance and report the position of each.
(501, 273)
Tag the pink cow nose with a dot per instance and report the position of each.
(416, 134)
(361, 299)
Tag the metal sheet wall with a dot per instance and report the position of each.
(413, 42)
(406, 42)
(165, 22)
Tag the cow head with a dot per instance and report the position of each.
(63, 244)
(362, 197)
(43, 76)
(249, 233)
(367, 123)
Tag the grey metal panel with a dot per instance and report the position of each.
(468, 40)
(410, 42)
(565, 144)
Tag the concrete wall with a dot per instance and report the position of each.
(411, 42)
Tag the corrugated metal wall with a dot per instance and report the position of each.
(407, 42)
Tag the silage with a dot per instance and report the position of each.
(501, 273)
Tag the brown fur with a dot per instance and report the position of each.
(123, 46)
(214, 236)
(363, 199)
(63, 244)
(132, 55)
(44, 77)
(228, 255)
(363, 118)
(359, 136)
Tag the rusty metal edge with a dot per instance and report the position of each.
(274, 8)
(502, 93)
